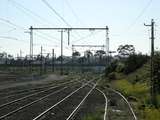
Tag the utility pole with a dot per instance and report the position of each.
(20, 53)
(68, 30)
(31, 42)
(31, 48)
(41, 65)
(153, 82)
(53, 60)
(107, 46)
(62, 52)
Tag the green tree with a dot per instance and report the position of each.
(76, 54)
(125, 50)
(133, 62)
(156, 71)
(88, 54)
(100, 53)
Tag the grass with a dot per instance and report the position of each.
(92, 117)
(151, 114)
(129, 89)
(136, 85)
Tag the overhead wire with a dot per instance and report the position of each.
(55, 12)
(85, 37)
(32, 13)
(73, 12)
(140, 14)
(12, 38)
(20, 27)
(51, 8)
(26, 11)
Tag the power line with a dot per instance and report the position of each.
(22, 28)
(85, 37)
(49, 6)
(32, 13)
(26, 11)
(44, 36)
(13, 38)
(11, 23)
(141, 13)
(73, 12)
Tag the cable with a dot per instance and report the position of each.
(43, 36)
(141, 13)
(22, 28)
(73, 12)
(26, 11)
(11, 23)
(13, 38)
(85, 37)
(31, 12)
(49, 6)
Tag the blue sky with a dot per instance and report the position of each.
(125, 19)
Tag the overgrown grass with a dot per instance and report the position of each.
(151, 114)
(92, 117)
(129, 89)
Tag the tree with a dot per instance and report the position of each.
(59, 58)
(100, 53)
(88, 54)
(156, 71)
(3, 55)
(133, 62)
(125, 50)
(76, 54)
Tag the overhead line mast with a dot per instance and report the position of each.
(68, 31)
(153, 81)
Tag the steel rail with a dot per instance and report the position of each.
(22, 98)
(28, 91)
(49, 109)
(29, 104)
(83, 100)
(106, 100)
(131, 109)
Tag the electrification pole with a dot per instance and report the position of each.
(61, 52)
(53, 60)
(153, 82)
(31, 48)
(41, 65)
(68, 30)
(107, 46)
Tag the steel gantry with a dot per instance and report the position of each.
(62, 29)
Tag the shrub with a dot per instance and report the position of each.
(111, 68)
(111, 76)
(151, 114)
(134, 61)
(129, 89)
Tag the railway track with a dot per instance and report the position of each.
(58, 102)
(25, 89)
(17, 104)
(24, 92)
(7, 110)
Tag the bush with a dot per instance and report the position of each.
(129, 89)
(151, 114)
(111, 68)
(120, 67)
(111, 76)
(134, 62)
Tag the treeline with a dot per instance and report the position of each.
(128, 61)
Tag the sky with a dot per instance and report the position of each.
(125, 19)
